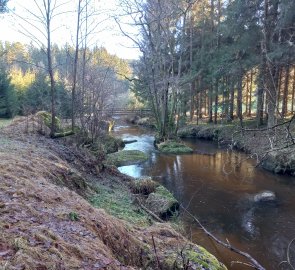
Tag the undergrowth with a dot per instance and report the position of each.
(118, 202)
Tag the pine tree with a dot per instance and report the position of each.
(8, 98)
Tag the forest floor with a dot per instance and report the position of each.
(273, 149)
(52, 196)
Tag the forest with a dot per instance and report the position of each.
(215, 59)
(220, 59)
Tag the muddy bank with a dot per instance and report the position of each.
(273, 150)
(61, 208)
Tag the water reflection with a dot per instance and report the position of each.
(215, 185)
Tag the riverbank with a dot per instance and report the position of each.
(274, 150)
(62, 208)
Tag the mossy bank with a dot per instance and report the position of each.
(276, 156)
(61, 209)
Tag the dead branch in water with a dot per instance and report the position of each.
(254, 263)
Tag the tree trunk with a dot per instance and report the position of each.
(216, 103)
(272, 85)
(75, 67)
(247, 93)
(293, 93)
(232, 102)
(240, 97)
(250, 94)
(50, 69)
(210, 103)
(192, 101)
(285, 93)
(260, 96)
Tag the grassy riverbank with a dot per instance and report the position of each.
(274, 149)
(62, 208)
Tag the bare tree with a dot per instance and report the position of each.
(162, 27)
(38, 26)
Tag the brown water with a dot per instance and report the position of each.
(216, 188)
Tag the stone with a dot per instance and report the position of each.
(265, 196)
(162, 203)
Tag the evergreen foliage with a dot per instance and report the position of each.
(8, 98)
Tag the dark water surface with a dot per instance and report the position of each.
(217, 188)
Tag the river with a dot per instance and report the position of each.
(216, 185)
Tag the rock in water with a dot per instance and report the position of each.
(265, 197)
(162, 203)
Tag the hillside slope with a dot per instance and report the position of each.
(47, 223)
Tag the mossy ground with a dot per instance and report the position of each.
(203, 258)
(106, 144)
(126, 157)
(46, 117)
(118, 202)
(173, 147)
(5, 122)
(162, 203)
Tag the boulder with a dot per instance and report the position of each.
(173, 147)
(143, 185)
(126, 157)
(265, 196)
(162, 203)
(133, 119)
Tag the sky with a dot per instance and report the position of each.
(21, 24)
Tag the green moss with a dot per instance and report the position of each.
(106, 144)
(5, 122)
(164, 192)
(173, 147)
(111, 144)
(202, 257)
(73, 216)
(143, 186)
(46, 117)
(162, 203)
(192, 257)
(117, 201)
(126, 157)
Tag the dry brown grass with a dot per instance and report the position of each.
(46, 224)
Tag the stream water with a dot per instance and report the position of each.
(216, 187)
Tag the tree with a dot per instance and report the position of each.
(40, 22)
(162, 43)
(3, 6)
(8, 99)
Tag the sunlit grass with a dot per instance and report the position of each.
(4, 122)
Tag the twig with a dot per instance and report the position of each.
(256, 265)
(243, 263)
(156, 254)
(288, 261)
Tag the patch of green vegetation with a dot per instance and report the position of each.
(46, 117)
(106, 144)
(193, 257)
(164, 192)
(111, 144)
(163, 203)
(73, 216)
(126, 157)
(143, 186)
(5, 122)
(203, 258)
(173, 147)
(117, 201)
